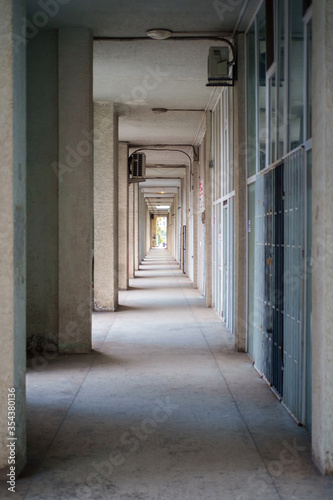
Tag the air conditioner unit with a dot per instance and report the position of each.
(219, 71)
(137, 167)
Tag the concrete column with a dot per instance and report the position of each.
(142, 226)
(131, 231)
(195, 222)
(170, 228)
(240, 199)
(136, 227)
(75, 189)
(148, 231)
(208, 213)
(43, 176)
(153, 232)
(187, 219)
(322, 227)
(12, 231)
(182, 211)
(123, 216)
(105, 207)
(176, 228)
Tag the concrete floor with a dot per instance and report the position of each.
(162, 409)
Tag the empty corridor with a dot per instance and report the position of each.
(163, 408)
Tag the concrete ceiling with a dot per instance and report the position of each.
(132, 18)
(139, 74)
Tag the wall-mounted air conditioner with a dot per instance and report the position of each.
(137, 167)
(220, 68)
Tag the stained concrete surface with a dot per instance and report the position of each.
(162, 409)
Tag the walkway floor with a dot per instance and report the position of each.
(162, 409)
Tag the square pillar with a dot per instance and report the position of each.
(322, 234)
(240, 186)
(182, 197)
(123, 216)
(105, 207)
(136, 227)
(153, 231)
(43, 178)
(196, 220)
(12, 236)
(148, 227)
(187, 220)
(208, 213)
(131, 231)
(75, 189)
(142, 226)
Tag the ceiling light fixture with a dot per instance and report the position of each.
(159, 34)
(164, 34)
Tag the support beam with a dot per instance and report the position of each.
(176, 230)
(75, 189)
(153, 232)
(188, 255)
(182, 211)
(136, 227)
(12, 234)
(43, 177)
(123, 216)
(208, 213)
(196, 220)
(240, 200)
(148, 231)
(131, 231)
(105, 207)
(322, 227)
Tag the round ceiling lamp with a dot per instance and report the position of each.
(159, 34)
